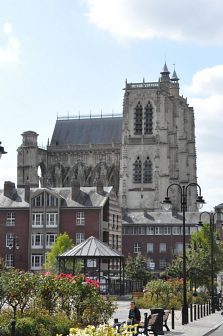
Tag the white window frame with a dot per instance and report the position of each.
(9, 260)
(50, 239)
(150, 230)
(10, 221)
(158, 230)
(79, 237)
(51, 219)
(9, 239)
(37, 240)
(162, 247)
(51, 201)
(37, 219)
(162, 263)
(150, 247)
(179, 248)
(80, 218)
(36, 261)
(38, 201)
(176, 230)
(137, 247)
(166, 230)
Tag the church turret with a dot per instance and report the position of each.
(27, 160)
(174, 84)
(165, 78)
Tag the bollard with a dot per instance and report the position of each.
(146, 324)
(198, 311)
(172, 319)
(13, 323)
(195, 312)
(191, 312)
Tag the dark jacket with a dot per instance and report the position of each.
(134, 315)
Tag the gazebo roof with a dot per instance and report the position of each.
(91, 247)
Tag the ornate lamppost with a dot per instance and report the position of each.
(212, 230)
(183, 201)
(13, 245)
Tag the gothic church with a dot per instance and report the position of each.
(140, 153)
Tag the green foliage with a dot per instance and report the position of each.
(25, 326)
(5, 320)
(42, 324)
(163, 294)
(198, 259)
(46, 304)
(63, 243)
(136, 269)
(17, 287)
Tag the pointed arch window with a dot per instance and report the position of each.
(138, 119)
(147, 171)
(137, 171)
(148, 119)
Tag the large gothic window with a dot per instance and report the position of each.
(147, 171)
(138, 119)
(148, 119)
(137, 171)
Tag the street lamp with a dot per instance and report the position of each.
(212, 229)
(13, 245)
(2, 150)
(167, 205)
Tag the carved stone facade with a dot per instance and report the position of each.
(158, 144)
(151, 146)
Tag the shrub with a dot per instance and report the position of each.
(25, 326)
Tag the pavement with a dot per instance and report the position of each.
(202, 327)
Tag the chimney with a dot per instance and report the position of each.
(9, 189)
(99, 187)
(75, 189)
(27, 192)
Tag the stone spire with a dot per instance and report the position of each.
(175, 84)
(165, 77)
(174, 77)
(165, 70)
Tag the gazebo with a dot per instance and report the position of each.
(94, 253)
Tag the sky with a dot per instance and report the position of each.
(71, 57)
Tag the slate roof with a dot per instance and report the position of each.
(16, 201)
(88, 197)
(89, 130)
(92, 247)
(161, 217)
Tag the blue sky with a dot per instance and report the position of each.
(69, 57)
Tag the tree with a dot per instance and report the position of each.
(63, 243)
(136, 269)
(198, 262)
(199, 256)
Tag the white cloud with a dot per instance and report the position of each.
(208, 81)
(11, 51)
(207, 88)
(7, 28)
(190, 20)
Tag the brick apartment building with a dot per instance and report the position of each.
(32, 218)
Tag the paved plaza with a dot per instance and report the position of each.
(200, 327)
